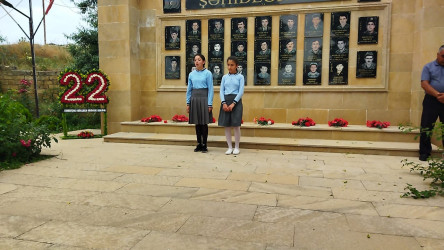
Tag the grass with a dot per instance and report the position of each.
(48, 57)
(18, 164)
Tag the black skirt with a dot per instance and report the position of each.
(233, 118)
(199, 107)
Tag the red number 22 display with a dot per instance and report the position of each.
(76, 93)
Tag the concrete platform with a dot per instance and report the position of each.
(97, 195)
(320, 138)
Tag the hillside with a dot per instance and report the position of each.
(48, 57)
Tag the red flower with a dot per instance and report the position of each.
(180, 118)
(26, 144)
(263, 121)
(165, 121)
(153, 118)
(23, 90)
(338, 122)
(304, 122)
(214, 120)
(14, 154)
(85, 134)
(377, 124)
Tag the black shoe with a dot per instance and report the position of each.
(204, 148)
(198, 148)
(423, 157)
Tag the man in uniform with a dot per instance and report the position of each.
(240, 50)
(368, 64)
(432, 81)
(241, 27)
(218, 29)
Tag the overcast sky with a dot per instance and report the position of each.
(63, 18)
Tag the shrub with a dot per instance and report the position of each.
(20, 139)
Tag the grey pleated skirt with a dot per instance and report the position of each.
(199, 107)
(233, 118)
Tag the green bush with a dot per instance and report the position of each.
(21, 140)
(53, 123)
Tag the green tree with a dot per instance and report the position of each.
(2, 39)
(85, 49)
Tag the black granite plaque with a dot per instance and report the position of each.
(366, 64)
(314, 25)
(217, 70)
(216, 50)
(313, 49)
(216, 28)
(287, 74)
(288, 26)
(263, 27)
(338, 73)
(340, 24)
(193, 30)
(262, 75)
(213, 4)
(312, 73)
(239, 29)
(262, 51)
(339, 49)
(172, 67)
(193, 48)
(242, 69)
(171, 6)
(239, 50)
(368, 30)
(172, 37)
(287, 50)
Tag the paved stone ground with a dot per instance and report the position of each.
(138, 196)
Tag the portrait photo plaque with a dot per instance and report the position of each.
(239, 50)
(340, 24)
(287, 50)
(171, 6)
(312, 73)
(287, 74)
(313, 49)
(314, 24)
(172, 67)
(338, 73)
(262, 76)
(263, 27)
(366, 64)
(216, 29)
(242, 69)
(239, 29)
(368, 30)
(339, 48)
(217, 71)
(172, 38)
(288, 26)
(193, 30)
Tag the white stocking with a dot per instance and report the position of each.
(228, 136)
(237, 135)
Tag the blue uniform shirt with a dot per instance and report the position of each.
(232, 84)
(434, 73)
(201, 79)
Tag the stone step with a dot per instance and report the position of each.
(282, 130)
(289, 144)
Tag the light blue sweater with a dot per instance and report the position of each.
(232, 84)
(200, 79)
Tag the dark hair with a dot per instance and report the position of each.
(199, 55)
(441, 48)
(234, 59)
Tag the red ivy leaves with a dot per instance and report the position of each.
(338, 122)
(377, 124)
(304, 122)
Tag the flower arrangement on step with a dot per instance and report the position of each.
(263, 121)
(179, 118)
(153, 118)
(85, 135)
(303, 122)
(214, 120)
(377, 124)
(338, 122)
